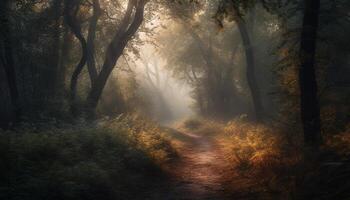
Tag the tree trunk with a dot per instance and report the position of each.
(250, 62)
(90, 41)
(66, 46)
(70, 18)
(114, 51)
(310, 110)
(6, 58)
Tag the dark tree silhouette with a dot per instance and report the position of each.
(250, 62)
(132, 20)
(232, 10)
(6, 58)
(91, 40)
(70, 11)
(310, 110)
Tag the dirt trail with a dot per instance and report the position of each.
(199, 172)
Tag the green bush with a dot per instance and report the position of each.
(103, 162)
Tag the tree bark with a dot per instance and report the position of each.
(310, 109)
(70, 10)
(115, 49)
(66, 46)
(91, 40)
(7, 60)
(250, 62)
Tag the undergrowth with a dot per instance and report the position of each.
(340, 143)
(112, 160)
(267, 164)
(262, 159)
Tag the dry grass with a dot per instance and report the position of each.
(268, 164)
(261, 163)
(146, 136)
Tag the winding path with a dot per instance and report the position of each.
(199, 172)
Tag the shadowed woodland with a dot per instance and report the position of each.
(174, 99)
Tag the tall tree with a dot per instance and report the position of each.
(130, 23)
(65, 47)
(91, 40)
(71, 9)
(310, 110)
(6, 57)
(250, 62)
(232, 10)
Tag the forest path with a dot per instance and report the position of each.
(200, 170)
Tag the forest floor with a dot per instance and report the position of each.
(195, 160)
(199, 172)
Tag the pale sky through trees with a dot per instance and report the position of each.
(177, 93)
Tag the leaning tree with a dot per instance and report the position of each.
(125, 29)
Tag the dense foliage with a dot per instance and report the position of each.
(111, 160)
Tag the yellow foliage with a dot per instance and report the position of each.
(260, 155)
(145, 135)
(250, 144)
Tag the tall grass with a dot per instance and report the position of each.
(261, 158)
(268, 165)
(111, 160)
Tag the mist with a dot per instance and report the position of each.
(170, 97)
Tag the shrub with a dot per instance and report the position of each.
(268, 164)
(250, 145)
(107, 161)
(260, 156)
